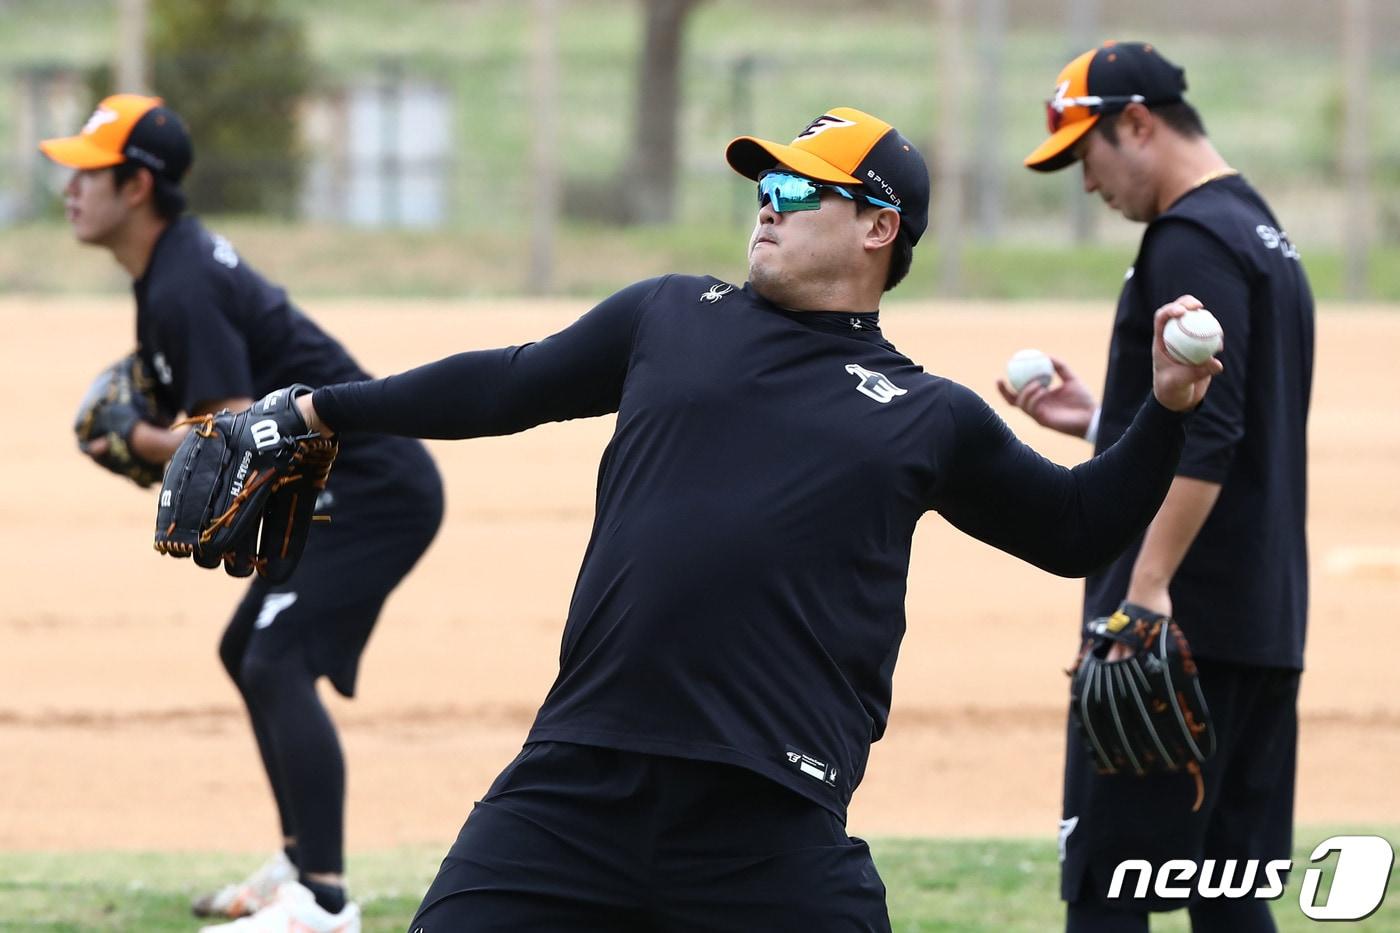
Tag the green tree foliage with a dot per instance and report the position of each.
(236, 70)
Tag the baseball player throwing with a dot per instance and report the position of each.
(727, 655)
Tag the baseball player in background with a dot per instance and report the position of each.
(728, 651)
(215, 335)
(1227, 553)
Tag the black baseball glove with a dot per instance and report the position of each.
(241, 490)
(120, 396)
(1145, 713)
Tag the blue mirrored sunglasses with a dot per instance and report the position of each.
(787, 192)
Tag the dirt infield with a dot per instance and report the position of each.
(118, 729)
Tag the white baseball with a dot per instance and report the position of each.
(1193, 338)
(1026, 366)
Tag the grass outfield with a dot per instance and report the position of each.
(317, 261)
(963, 885)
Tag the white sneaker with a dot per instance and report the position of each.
(294, 910)
(251, 894)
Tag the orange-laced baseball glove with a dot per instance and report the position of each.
(241, 490)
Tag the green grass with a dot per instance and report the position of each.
(1007, 886)
(152, 891)
(321, 262)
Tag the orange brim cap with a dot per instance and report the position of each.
(845, 146)
(1120, 72)
(1072, 82)
(79, 152)
(831, 148)
(103, 139)
(1058, 151)
(751, 157)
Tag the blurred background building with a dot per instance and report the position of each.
(484, 146)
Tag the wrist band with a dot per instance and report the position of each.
(1092, 434)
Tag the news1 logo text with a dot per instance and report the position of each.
(1359, 878)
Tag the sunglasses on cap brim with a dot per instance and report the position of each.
(1055, 107)
(788, 192)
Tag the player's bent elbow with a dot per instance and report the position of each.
(1077, 560)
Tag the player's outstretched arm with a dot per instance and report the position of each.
(576, 373)
(1072, 521)
(1067, 521)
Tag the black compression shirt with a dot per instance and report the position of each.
(1241, 592)
(210, 327)
(741, 599)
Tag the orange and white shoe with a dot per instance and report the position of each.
(294, 910)
(251, 894)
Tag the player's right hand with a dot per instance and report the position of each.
(1067, 406)
(1178, 386)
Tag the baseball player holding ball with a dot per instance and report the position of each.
(1227, 554)
(728, 651)
(212, 334)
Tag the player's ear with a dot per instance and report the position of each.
(1136, 122)
(882, 227)
(138, 189)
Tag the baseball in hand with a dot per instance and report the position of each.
(1026, 366)
(1193, 338)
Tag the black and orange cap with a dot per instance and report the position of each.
(845, 146)
(127, 128)
(1113, 72)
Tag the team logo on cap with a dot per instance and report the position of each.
(100, 118)
(823, 123)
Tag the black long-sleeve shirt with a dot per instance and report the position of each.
(741, 599)
(1241, 592)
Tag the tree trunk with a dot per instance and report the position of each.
(649, 183)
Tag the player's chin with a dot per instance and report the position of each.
(1138, 215)
(85, 233)
(762, 275)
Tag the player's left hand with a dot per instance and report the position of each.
(1178, 386)
(1067, 408)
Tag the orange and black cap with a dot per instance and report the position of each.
(845, 146)
(1102, 80)
(128, 128)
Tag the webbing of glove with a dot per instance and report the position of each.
(291, 508)
(1145, 713)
